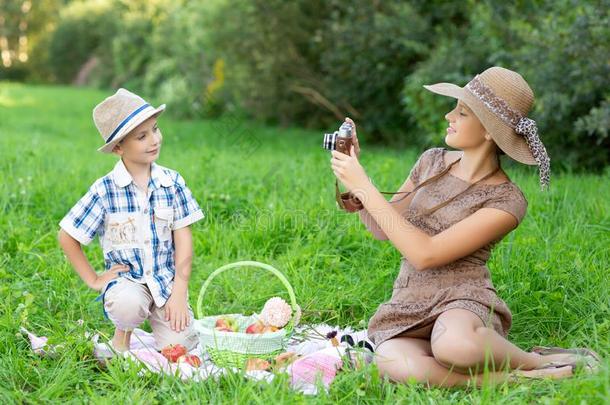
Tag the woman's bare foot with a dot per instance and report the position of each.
(558, 357)
(589, 363)
(553, 373)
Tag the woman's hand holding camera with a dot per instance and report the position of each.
(347, 168)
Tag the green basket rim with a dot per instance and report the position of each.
(249, 263)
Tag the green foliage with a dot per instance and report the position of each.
(271, 49)
(310, 63)
(85, 30)
(315, 62)
(154, 47)
(29, 21)
(180, 67)
(571, 78)
(371, 47)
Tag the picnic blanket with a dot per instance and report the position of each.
(319, 359)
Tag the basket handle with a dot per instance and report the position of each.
(264, 266)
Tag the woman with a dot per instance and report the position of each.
(444, 321)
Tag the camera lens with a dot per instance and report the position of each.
(330, 141)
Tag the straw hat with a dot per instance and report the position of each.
(501, 99)
(120, 113)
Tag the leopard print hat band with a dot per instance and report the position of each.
(523, 126)
(528, 128)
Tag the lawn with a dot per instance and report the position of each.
(268, 194)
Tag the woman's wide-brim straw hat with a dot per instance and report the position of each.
(119, 114)
(502, 99)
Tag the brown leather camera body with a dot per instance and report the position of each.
(343, 144)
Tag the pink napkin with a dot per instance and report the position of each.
(323, 363)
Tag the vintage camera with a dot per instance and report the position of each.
(340, 140)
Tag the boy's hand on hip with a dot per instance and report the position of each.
(177, 312)
(100, 281)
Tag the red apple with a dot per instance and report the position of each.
(190, 359)
(173, 352)
(256, 327)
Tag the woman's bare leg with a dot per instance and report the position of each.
(460, 339)
(405, 358)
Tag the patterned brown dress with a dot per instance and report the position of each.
(419, 297)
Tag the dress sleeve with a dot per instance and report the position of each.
(514, 203)
(186, 209)
(419, 171)
(85, 219)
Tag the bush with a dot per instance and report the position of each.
(313, 63)
(159, 51)
(561, 58)
(370, 48)
(180, 69)
(85, 30)
(310, 63)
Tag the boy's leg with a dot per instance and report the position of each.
(121, 339)
(127, 305)
(164, 335)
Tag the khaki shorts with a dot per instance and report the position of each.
(128, 304)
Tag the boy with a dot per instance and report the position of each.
(141, 212)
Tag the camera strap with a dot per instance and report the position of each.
(340, 197)
(354, 202)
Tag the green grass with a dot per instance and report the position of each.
(268, 195)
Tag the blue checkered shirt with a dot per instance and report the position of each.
(135, 229)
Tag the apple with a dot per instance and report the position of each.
(221, 323)
(270, 329)
(285, 358)
(226, 324)
(257, 364)
(190, 359)
(256, 327)
(173, 352)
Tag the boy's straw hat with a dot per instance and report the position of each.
(118, 114)
(501, 99)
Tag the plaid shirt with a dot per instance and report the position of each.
(135, 229)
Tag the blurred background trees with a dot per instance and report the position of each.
(310, 63)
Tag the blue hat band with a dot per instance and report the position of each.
(125, 122)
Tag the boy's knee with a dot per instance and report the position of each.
(126, 311)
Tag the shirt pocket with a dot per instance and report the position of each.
(122, 231)
(164, 222)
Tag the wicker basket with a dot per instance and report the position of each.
(233, 349)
